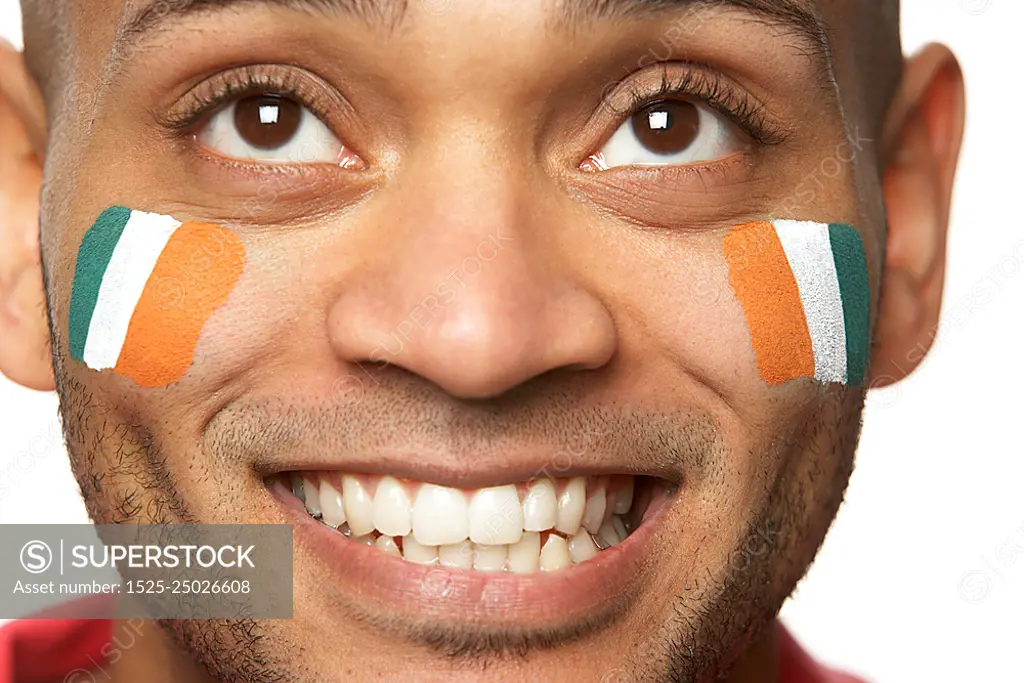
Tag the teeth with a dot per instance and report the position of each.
(331, 505)
(456, 555)
(540, 506)
(593, 513)
(608, 533)
(392, 512)
(555, 554)
(496, 516)
(489, 558)
(413, 551)
(358, 505)
(486, 530)
(388, 545)
(524, 556)
(297, 487)
(571, 505)
(440, 516)
(620, 527)
(311, 495)
(623, 497)
(581, 547)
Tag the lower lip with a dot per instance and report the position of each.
(547, 600)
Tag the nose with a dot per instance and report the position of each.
(468, 284)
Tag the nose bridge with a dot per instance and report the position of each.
(467, 295)
(463, 268)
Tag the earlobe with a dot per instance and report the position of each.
(24, 333)
(923, 135)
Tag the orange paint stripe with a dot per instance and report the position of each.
(193, 277)
(763, 281)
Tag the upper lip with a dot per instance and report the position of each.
(466, 472)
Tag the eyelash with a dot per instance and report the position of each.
(214, 95)
(695, 83)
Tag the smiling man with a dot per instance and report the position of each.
(547, 325)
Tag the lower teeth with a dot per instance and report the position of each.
(564, 550)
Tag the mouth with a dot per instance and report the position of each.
(540, 526)
(554, 555)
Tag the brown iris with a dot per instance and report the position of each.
(267, 121)
(667, 127)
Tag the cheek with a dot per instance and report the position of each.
(678, 313)
(760, 317)
(267, 309)
(145, 285)
(804, 291)
(276, 317)
(696, 321)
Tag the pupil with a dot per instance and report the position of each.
(668, 127)
(267, 121)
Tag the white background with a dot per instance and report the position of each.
(922, 576)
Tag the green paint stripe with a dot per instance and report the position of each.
(852, 269)
(93, 256)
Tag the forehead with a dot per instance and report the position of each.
(110, 30)
(394, 12)
(802, 17)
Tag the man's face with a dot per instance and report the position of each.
(483, 248)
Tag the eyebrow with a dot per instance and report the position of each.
(155, 12)
(796, 16)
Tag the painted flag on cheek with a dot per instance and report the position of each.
(145, 284)
(804, 291)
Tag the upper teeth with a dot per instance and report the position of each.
(488, 529)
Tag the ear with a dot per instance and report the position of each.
(922, 137)
(24, 334)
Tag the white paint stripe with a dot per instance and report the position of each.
(143, 240)
(809, 252)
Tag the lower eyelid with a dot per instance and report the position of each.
(673, 176)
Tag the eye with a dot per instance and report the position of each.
(668, 133)
(272, 128)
